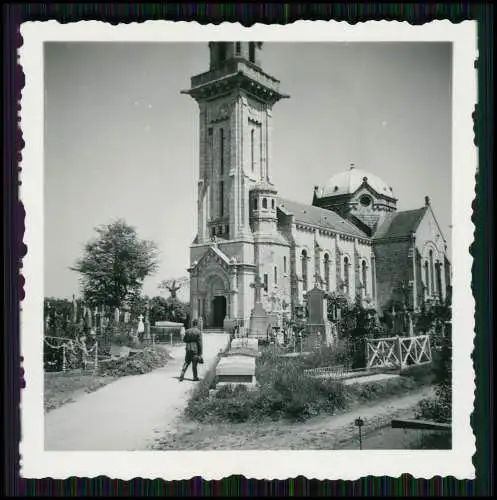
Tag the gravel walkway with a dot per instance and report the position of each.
(129, 414)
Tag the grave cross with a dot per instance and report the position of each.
(317, 279)
(257, 285)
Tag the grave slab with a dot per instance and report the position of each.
(236, 370)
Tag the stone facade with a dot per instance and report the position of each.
(351, 239)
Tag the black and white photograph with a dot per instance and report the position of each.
(255, 247)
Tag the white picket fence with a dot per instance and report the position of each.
(398, 352)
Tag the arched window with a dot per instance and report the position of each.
(264, 202)
(364, 277)
(284, 264)
(346, 277)
(238, 48)
(221, 198)
(327, 271)
(304, 270)
(432, 273)
(252, 153)
(427, 278)
(272, 204)
(221, 147)
(438, 280)
(255, 203)
(252, 52)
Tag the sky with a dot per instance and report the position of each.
(122, 142)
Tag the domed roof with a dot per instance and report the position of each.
(349, 181)
(264, 186)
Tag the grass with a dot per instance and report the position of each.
(61, 388)
(434, 441)
(285, 393)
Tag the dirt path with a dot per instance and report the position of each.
(130, 413)
(329, 432)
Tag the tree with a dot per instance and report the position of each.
(173, 285)
(115, 264)
(158, 309)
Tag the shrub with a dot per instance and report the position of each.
(284, 392)
(374, 390)
(137, 364)
(328, 356)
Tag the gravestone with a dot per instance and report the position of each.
(238, 366)
(259, 322)
(246, 346)
(236, 370)
(319, 327)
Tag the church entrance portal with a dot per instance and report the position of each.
(218, 311)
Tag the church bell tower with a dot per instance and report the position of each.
(235, 99)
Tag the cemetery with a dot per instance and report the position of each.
(85, 348)
(335, 359)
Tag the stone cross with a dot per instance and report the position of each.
(141, 326)
(257, 285)
(317, 279)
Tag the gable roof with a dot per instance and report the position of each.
(213, 252)
(400, 224)
(320, 217)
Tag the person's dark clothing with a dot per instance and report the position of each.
(193, 351)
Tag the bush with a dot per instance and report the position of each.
(284, 392)
(373, 390)
(328, 356)
(136, 364)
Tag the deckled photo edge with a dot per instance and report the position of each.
(38, 463)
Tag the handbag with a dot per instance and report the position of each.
(200, 360)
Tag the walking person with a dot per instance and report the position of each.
(193, 350)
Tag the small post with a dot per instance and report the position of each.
(171, 338)
(359, 422)
(63, 357)
(399, 348)
(96, 356)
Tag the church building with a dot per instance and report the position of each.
(251, 244)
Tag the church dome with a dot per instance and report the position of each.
(349, 181)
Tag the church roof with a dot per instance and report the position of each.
(350, 181)
(400, 224)
(321, 217)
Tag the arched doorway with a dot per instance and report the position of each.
(216, 301)
(218, 311)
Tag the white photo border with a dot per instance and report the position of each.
(215, 465)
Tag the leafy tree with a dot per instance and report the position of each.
(173, 285)
(115, 264)
(158, 309)
(178, 311)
